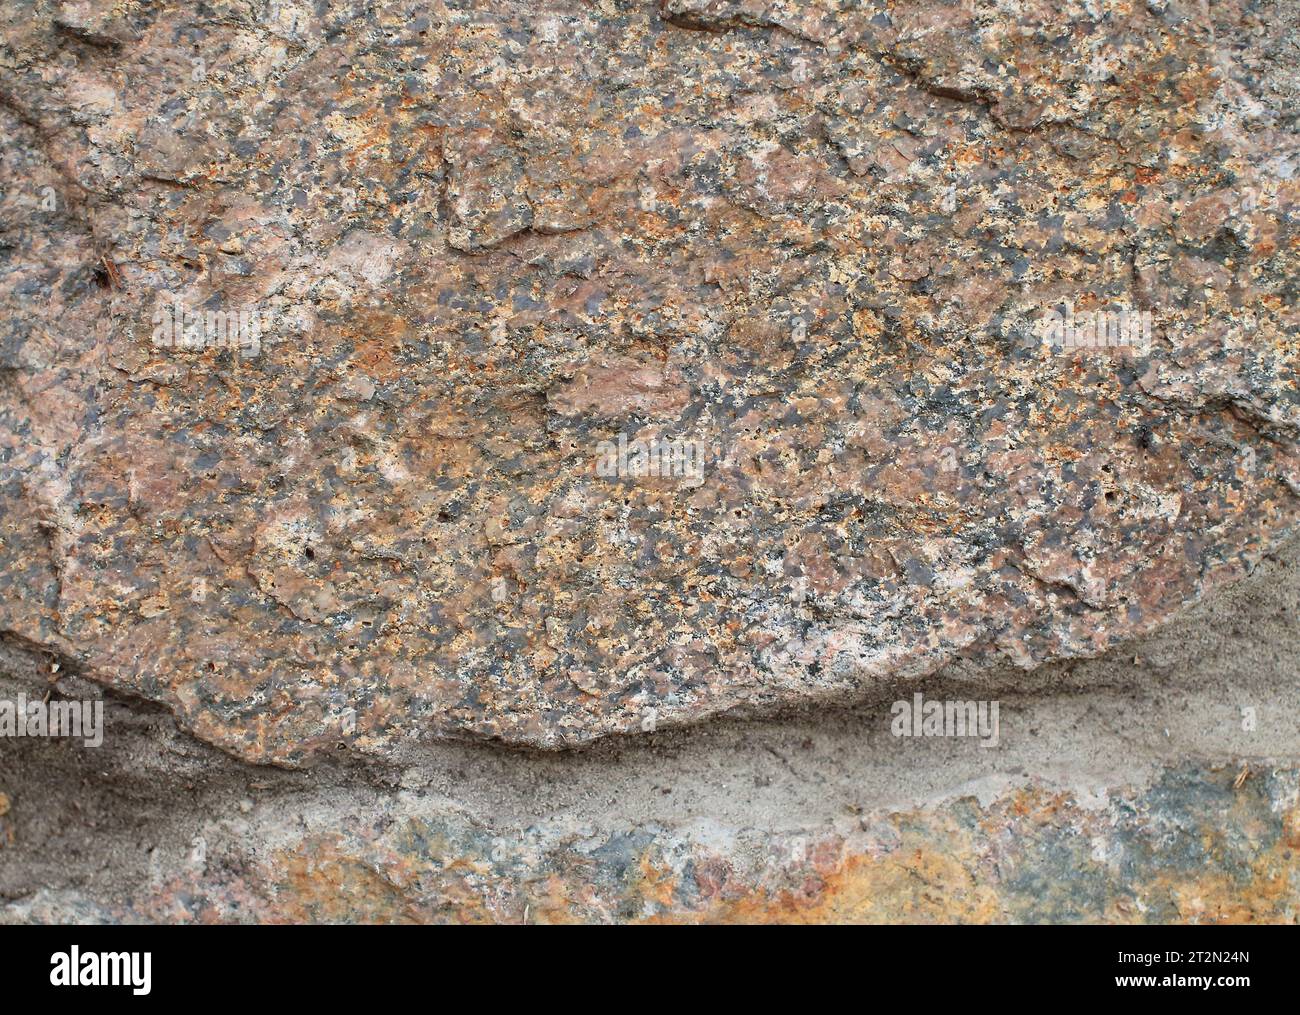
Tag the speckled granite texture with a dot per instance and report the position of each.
(481, 238)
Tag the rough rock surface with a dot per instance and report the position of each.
(1125, 788)
(818, 238)
(1034, 855)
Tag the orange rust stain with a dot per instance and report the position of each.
(917, 885)
(656, 883)
(325, 885)
(1291, 829)
(1270, 895)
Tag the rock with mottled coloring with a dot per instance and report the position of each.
(823, 243)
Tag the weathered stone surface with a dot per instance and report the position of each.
(1227, 854)
(818, 238)
(1126, 788)
(1201, 846)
